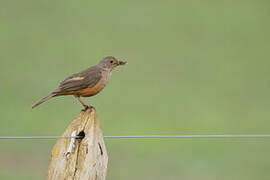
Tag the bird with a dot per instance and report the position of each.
(86, 83)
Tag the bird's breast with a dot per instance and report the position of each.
(93, 90)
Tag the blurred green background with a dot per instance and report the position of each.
(195, 67)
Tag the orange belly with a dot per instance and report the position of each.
(91, 91)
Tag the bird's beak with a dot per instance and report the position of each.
(121, 62)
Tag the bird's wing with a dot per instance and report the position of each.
(82, 80)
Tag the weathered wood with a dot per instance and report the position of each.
(86, 159)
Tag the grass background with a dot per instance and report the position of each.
(195, 67)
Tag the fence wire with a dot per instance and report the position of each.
(148, 136)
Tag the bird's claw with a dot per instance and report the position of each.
(87, 107)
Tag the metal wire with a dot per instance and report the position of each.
(38, 137)
(148, 136)
(197, 136)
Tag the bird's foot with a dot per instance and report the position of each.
(87, 107)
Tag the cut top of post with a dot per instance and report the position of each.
(82, 158)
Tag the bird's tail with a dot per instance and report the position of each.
(44, 99)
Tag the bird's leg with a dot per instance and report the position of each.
(86, 106)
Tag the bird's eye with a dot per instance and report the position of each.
(111, 61)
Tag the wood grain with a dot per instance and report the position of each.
(87, 159)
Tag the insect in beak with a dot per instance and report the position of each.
(121, 62)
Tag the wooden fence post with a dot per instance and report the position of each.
(84, 159)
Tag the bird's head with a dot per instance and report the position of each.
(110, 63)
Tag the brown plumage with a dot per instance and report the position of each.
(86, 83)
